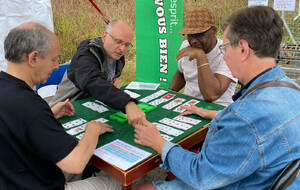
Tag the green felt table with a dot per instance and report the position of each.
(124, 131)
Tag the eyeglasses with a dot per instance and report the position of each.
(198, 35)
(120, 42)
(222, 47)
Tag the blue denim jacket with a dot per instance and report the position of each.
(247, 145)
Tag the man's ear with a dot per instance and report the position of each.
(244, 49)
(32, 58)
(103, 37)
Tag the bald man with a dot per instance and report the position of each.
(95, 68)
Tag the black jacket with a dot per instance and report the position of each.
(87, 76)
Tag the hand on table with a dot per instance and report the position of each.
(134, 113)
(99, 127)
(192, 109)
(63, 109)
(148, 135)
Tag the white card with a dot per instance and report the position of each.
(95, 107)
(174, 103)
(102, 120)
(153, 96)
(76, 130)
(176, 124)
(132, 94)
(167, 137)
(168, 130)
(100, 102)
(80, 136)
(180, 110)
(187, 119)
(158, 101)
(74, 123)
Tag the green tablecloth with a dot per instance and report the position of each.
(124, 131)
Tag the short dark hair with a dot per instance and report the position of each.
(260, 26)
(21, 41)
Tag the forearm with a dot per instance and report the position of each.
(209, 85)
(76, 161)
(178, 81)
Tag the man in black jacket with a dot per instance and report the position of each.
(95, 68)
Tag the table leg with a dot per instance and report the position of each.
(128, 187)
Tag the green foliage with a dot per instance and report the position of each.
(76, 20)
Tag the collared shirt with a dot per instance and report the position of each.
(244, 88)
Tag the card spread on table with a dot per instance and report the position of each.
(168, 96)
(169, 130)
(167, 137)
(100, 102)
(153, 96)
(176, 124)
(158, 101)
(76, 130)
(80, 136)
(74, 123)
(187, 120)
(165, 98)
(132, 94)
(95, 107)
(102, 120)
(174, 103)
(180, 110)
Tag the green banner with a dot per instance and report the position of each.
(157, 39)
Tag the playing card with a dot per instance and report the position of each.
(95, 107)
(74, 123)
(167, 129)
(102, 120)
(176, 124)
(80, 136)
(168, 96)
(132, 94)
(153, 96)
(157, 101)
(174, 103)
(187, 120)
(167, 137)
(76, 130)
(180, 110)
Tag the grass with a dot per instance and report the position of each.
(76, 20)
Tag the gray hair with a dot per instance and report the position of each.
(21, 41)
(113, 23)
(260, 26)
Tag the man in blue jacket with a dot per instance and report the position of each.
(253, 139)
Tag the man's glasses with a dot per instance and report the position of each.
(198, 35)
(222, 47)
(120, 42)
